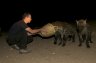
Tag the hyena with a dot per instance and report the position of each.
(84, 32)
(64, 33)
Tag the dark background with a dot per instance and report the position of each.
(44, 12)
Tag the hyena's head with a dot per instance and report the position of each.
(58, 28)
(81, 22)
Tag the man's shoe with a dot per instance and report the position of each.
(21, 51)
(15, 47)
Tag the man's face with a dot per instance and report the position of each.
(29, 19)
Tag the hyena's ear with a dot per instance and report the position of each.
(85, 21)
(77, 22)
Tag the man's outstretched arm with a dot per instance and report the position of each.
(33, 31)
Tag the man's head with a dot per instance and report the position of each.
(27, 17)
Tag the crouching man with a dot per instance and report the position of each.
(19, 34)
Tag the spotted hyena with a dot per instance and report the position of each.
(84, 32)
(64, 34)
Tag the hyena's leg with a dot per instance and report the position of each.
(73, 38)
(56, 37)
(69, 37)
(87, 42)
(83, 38)
(60, 38)
(80, 40)
(90, 38)
(63, 39)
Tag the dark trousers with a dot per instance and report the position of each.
(21, 42)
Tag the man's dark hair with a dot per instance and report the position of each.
(26, 15)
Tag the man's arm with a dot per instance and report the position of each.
(32, 31)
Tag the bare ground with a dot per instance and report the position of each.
(44, 51)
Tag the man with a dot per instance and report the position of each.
(19, 34)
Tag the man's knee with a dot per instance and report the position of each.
(30, 39)
(9, 42)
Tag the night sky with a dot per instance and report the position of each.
(43, 13)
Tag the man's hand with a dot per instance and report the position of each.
(42, 30)
(29, 34)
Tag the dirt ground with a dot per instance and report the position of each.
(44, 51)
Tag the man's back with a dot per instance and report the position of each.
(17, 28)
